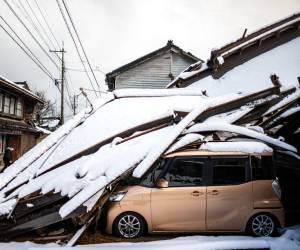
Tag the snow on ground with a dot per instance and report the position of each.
(290, 240)
(253, 75)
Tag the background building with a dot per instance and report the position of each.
(154, 70)
(18, 106)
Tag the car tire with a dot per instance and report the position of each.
(129, 225)
(262, 225)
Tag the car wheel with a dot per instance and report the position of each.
(262, 225)
(129, 225)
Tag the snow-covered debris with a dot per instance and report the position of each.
(185, 140)
(7, 206)
(241, 146)
(33, 154)
(231, 116)
(121, 136)
(285, 101)
(209, 126)
(169, 138)
(290, 112)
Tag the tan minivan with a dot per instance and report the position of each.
(200, 191)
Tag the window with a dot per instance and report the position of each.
(6, 104)
(229, 171)
(262, 168)
(1, 101)
(151, 176)
(19, 108)
(185, 173)
(12, 105)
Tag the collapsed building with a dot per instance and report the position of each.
(67, 178)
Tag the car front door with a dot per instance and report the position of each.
(180, 206)
(229, 194)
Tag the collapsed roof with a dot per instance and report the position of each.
(124, 134)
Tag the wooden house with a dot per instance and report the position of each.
(154, 70)
(17, 115)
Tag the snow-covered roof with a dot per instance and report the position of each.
(247, 63)
(255, 74)
(19, 88)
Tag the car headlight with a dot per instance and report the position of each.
(118, 196)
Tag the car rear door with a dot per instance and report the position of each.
(229, 194)
(181, 206)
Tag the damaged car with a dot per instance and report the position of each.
(201, 191)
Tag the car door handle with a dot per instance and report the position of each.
(214, 192)
(197, 193)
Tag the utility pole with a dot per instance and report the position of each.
(74, 105)
(62, 89)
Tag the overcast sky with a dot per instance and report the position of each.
(115, 32)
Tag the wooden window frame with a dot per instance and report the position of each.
(11, 98)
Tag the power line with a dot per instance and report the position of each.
(80, 70)
(69, 14)
(77, 49)
(32, 57)
(47, 24)
(40, 24)
(27, 16)
(30, 33)
(29, 50)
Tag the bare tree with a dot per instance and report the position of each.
(46, 111)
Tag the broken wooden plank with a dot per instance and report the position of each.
(231, 105)
(79, 233)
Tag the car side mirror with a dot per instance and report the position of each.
(161, 183)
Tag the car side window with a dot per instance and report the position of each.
(228, 171)
(262, 168)
(185, 173)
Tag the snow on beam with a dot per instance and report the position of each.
(236, 103)
(249, 147)
(122, 93)
(289, 99)
(184, 141)
(210, 127)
